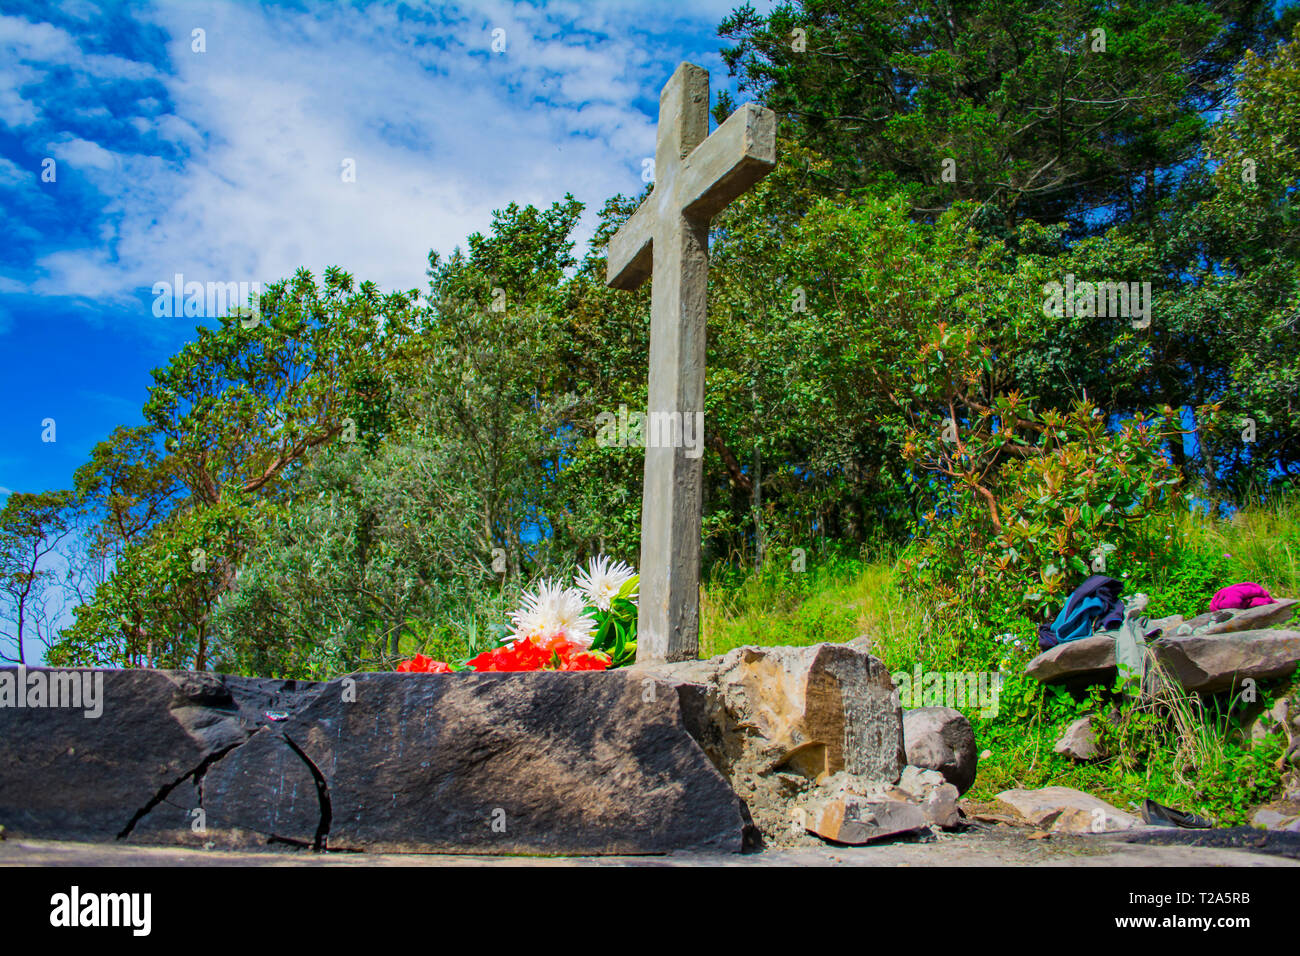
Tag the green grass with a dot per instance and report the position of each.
(1177, 749)
(1263, 541)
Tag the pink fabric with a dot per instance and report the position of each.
(1246, 594)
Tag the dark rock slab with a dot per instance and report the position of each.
(508, 763)
(492, 763)
(92, 777)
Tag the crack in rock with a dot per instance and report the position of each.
(322, 794)
(195, 773)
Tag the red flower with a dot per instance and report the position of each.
(519, 656)
(532, 655)
(587, 661)
(420, 664)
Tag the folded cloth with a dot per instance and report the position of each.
(1243, 595)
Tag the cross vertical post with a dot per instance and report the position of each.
(696, 176)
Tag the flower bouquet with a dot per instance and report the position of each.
(588, 627)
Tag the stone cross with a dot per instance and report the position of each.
(696, 176)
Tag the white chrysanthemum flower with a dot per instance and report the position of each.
(602, 580)
(554, 611)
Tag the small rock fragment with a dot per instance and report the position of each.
(1079, 741)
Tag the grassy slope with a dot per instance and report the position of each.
(1178, 751)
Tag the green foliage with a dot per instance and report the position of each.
(374, 560)
(156, 608)
(1039, 120)
(616, 627)
(1023, 536)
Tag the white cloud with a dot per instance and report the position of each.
(83, 153)
(442, 132)
(12, 173)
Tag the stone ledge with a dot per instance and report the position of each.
(544, 762)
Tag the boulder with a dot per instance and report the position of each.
(1079, 741)
(1209, 663)
(1065, 810)
(936, 796)
(941, 738)
(780, 721)
(1258, 723)
(543, 762)
(1088, 660)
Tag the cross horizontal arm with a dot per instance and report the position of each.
(628, 256)
(738, 154)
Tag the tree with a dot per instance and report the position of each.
(31, 529)
(1068, 111)
(229, 421)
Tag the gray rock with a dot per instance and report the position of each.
(846, 811)
(1079, 741)
(1088, 660)
(1258, 723)
(1065, 810)
(779, 721)
(936, 797)
(1246, 619)
(1279, 815)
(1165, 625)
(814, 710)
(941, 738)
(543, 762)
(1209, 663)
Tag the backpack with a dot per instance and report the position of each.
(1093, 606)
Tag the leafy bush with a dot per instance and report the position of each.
(1022, 536)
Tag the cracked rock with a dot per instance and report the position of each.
(69, 776)
(543, 762)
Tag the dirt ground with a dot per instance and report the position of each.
(985, 846)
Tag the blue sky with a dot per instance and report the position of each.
(225, 165)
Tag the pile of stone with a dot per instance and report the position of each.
(814, 741)
(1207, 654)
